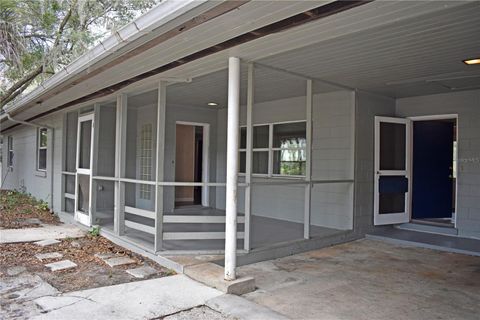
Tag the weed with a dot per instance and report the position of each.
(94, 231)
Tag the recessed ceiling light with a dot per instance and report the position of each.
(472, 61)
(212, 104)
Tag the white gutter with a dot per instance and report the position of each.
(163, 13)
(52, 130)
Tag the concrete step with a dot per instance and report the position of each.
(212, 275)
(427, 228)
(428, 240)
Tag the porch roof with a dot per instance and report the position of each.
(394, 48)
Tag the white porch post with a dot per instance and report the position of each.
(248, 165)
(308, 165)
(159, 165)
(232, 167)
(120, 153)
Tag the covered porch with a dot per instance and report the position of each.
(158, 162)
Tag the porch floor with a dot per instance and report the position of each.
(369, 280)
(265, 231)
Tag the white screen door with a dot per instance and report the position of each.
(83, 185)
(392, 170)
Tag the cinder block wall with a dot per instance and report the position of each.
(368, 106)
(24, 174)
(467, 105)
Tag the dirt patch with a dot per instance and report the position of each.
(19, 210)
(91, 272)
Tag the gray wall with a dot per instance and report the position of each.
(332, 159)
(24, 174)
(467, 105)
(368, 106)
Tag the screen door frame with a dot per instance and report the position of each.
(395, 217)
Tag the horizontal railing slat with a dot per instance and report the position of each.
(140, 227)
(197, 235)
(140, 212)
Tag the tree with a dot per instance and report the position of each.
(39, 37)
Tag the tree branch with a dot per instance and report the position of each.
(23, 83)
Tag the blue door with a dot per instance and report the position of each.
(432, 169)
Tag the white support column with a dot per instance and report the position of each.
(120, 151)
(94, 166)
(159, 164)
(308, 165)
(248, 165)
(232, 167)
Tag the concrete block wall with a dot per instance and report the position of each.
(467, 105)
(332, 158)
(368, 106)
(24, 174)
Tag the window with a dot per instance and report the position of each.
(146, 150)
(10, 151)
(279, 149)
(42, 149)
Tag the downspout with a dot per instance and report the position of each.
(52, 130)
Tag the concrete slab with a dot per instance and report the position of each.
(369, 280)
(142, 272)
(242, 309)
(49, 255)
(17, 295)
(200, 313)
(146, 299)
(118, 261)
(47, 242)
(42, 233)
(213, 275)
(61, 265)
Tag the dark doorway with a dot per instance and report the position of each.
(197, 192)
(433, 184)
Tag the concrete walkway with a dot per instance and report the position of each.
(150, 299)
(369, 280)
(42, 233)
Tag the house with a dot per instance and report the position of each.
(260, 128)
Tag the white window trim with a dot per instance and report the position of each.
(39, 147)
(270, 151)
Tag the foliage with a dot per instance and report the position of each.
(94, 231)
(40, 37)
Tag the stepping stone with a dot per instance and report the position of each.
(33, 221)
(13, 271)
(119, 261)
(61, 265)
(142, 272)
(104, 256)
(50, 255)
(47, 242)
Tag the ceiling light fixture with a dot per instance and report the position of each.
(212, 104)
(472, 61)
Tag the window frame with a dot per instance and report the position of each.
(10, 153)
(271, 151)
(40, 147)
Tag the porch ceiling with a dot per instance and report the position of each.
(416, 56)
(395, 48)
